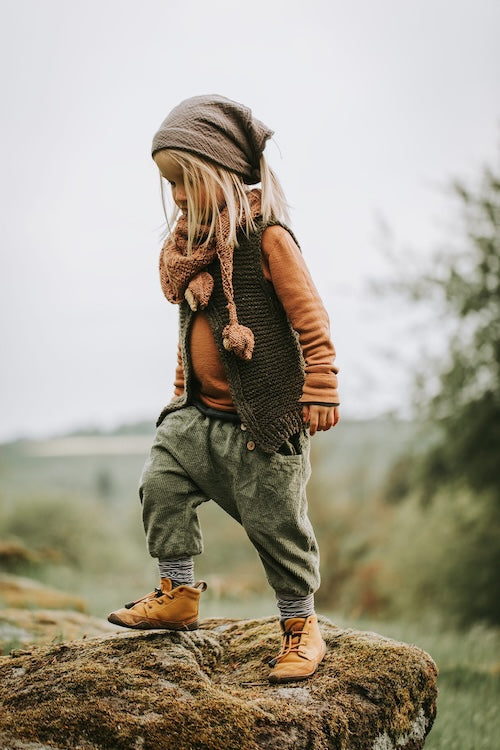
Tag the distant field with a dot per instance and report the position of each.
(109, 465)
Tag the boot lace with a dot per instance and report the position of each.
(156, 594)
(290, 645)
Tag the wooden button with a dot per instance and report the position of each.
(243, 427)
(251, 445)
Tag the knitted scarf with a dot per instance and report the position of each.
(184, 276)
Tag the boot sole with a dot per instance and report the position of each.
(145, 625)
(297, 678)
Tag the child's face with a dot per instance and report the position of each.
(174, 174)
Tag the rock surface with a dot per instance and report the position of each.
(208, 690)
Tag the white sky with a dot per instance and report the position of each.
(375, 107)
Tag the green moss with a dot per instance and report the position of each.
(208, 690)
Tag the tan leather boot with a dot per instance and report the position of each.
(303, 648)
(164, 608)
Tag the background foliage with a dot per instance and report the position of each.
(453, 469)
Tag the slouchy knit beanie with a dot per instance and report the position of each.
(217, 129)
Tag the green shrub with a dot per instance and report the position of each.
(57, 529)
(445, 557)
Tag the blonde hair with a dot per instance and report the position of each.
(209, 188)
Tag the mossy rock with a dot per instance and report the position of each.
(208, 690)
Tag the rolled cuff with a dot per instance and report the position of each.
(320, 388)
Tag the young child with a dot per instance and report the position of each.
(255, 377)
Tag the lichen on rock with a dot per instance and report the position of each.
(208, 690)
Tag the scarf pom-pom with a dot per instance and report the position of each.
(238, 339)
(199, 290)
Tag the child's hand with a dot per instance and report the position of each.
(320, 417)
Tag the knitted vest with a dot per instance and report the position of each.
(267, 388)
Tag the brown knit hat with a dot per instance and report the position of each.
(217, 129)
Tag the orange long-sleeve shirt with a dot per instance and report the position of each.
(284, 266)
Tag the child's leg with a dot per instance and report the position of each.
(272, 503)
(273, 507)
(195, 458)
(170, 499)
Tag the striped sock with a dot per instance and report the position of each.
(180, 570)
(296, 607)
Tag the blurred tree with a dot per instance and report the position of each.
(458, 391)
(457, 464)
(465, 407)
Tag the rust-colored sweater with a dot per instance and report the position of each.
(284, 267)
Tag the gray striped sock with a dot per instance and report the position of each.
(296, 607)
(180, 570)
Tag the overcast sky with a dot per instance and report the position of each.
(376, 106)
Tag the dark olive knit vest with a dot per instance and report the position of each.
(266, 389)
